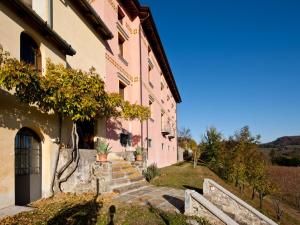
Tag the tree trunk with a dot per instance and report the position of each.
(253, 193)
(260, 200)
(195, 160)
(74, 160)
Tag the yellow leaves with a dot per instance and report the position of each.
(69, 92)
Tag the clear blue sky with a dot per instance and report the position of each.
(236, 63)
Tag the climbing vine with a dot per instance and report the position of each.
(70, 93)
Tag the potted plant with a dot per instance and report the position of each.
(102, 151)
(138, 154)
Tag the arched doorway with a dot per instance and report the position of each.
(27, 167)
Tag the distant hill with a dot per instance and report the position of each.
(282, 142)
(284, 151)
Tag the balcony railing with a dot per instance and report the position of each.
(172, 134)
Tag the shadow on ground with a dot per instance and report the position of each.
(199, 190)
(176, 202)
(80, 214)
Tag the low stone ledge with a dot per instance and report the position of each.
(242, 212)
(139, 165)
(90, 176)
(196, 205)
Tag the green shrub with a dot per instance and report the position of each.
(103, 147)
(151, 172)
(138, 151)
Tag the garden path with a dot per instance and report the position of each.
(165, 198)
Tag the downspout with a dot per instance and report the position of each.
(147, 124)
(50, 13)
(176, 134)
(141, 85)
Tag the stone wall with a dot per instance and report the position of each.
(90, 176)
(139, 165)
(239, 210)
(180, 154)
(196, 205)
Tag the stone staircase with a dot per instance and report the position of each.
(220, 207)
(125, 177)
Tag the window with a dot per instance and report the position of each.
(122, 90)
(161, 120)
(125, 139)
(149, 142)
(150, 107)
(162, 86)
(121, 45)
(149, 74)
(30, 52)
(121, 15)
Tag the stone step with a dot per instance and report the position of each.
(116, 161)
(116, 169)
(127, 170)
(130, 187)
(130, 174)
(125, 181)
(122, 163)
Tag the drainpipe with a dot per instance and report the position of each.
(176, 133)
(141, 84)
(50, 13)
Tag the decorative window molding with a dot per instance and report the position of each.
(123, 78)
(151, 98)
(122, 31)
(150, 63)
(120, 68)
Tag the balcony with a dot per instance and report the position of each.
(166, 129)
(172, 134)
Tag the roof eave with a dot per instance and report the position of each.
(158, 49)
(41, 26)
(93, 18)
(132, 7)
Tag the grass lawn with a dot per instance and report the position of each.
(183, 175)
(69, 209)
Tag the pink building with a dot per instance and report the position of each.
(119, 39)
(138, 69)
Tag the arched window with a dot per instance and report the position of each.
(30, 52)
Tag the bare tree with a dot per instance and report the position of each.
(277, 207)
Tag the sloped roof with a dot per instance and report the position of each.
(34, 20)
(134, 9)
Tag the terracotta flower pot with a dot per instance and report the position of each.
(101, 157)
(139, 158)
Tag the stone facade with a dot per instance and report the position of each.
(239, 210)
(90, 176)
